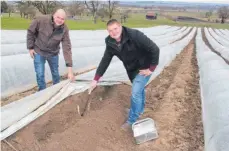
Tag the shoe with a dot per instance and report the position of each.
(126, 126)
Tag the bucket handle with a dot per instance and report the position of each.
(141, 121)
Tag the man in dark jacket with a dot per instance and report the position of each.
(139, 55)
(43, 39)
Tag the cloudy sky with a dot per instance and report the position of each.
(205, 1)
(192, 1)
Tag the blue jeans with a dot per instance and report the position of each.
(39, 65)
(137, 98)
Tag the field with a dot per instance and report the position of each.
(194, 63)
(135, 20)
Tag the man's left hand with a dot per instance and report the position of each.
(71, 76)
(145, 72)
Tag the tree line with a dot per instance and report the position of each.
(96, 9)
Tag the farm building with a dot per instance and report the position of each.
(151, 15)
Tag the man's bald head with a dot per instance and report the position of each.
(59, 17)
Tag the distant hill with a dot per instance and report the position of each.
(172, 4)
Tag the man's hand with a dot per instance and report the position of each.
(32, 53)
(71, 76)
(145, 72)
(92, 86)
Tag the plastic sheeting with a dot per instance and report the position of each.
(86, 39)
(171, 33)
(95, 40)
(221, 40)
(224, 51)
(33, 106)
(160, 30)
(226, 37)
(214, 83)
(224, 31)
(26, 105)
(14, 72)
(19, 74)
(171, 38)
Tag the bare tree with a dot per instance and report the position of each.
(124, 15)
(208, 15)
(10, 9)
(112, 5)
(23, 7)
(92, 6)
(47, 7)
(223, 13)
(31, 12)
(76, 8)
(107, 9)
(102, 12)
(4, 7)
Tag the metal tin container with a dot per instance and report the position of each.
(144, 130)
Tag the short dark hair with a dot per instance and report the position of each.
(112, 21)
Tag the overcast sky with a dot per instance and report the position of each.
(193, 1)
(205, 1)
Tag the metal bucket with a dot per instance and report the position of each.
(144, 130)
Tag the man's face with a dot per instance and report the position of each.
(115, 30)
(59, 19)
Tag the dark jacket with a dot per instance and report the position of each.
(136, 52)
(45, 39)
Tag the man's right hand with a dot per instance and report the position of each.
(32, 53)
(92, 86)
